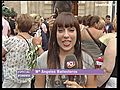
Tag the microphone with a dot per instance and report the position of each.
(71, 63)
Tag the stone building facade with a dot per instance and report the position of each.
(45, 8)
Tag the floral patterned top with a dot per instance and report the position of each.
(15, 58)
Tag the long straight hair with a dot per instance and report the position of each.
(65, 19)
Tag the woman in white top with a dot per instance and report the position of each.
(65, 39)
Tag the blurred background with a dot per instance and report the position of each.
(80, 8)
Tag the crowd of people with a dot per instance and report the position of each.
(55, 38)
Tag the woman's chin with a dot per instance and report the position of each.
(67, 48)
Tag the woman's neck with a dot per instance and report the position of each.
(22, 32)
(25, 34)
(63, 54)
(91, 28)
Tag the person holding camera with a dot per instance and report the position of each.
(60, 6)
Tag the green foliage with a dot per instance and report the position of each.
(13, 13)
(6, 11)
(31, 55)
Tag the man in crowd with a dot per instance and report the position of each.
(108, 25)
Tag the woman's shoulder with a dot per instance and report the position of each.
(106, 38)
(44, 54)
(17, 38)
(42, 60)
(11, 39)
(85, 54)
(88, 61)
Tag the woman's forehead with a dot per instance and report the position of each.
(65, 24)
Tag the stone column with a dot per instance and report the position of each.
(110, 8)
(23, 7)
(87, 8)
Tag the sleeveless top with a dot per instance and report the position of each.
(90, 45)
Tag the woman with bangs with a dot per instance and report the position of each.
(65, 39)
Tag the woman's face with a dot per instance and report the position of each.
(66, 38)
(35, 26)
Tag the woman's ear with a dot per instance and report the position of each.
(17, 28)
(96, 25)
(99, 25)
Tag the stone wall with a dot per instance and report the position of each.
(39, 7)
(44, 8)
(93, 8)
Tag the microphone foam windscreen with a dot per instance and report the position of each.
(71, 62)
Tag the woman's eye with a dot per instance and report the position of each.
(71, 30)
(60, 30)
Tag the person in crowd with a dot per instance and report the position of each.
(66, 6)
(109, 79)
(108, 26)
(47, 25)
(91, 35)
(43, 26)
(79, 18)
(3, 57)
(65, 39)
(37, 29)
(15, 49)
(83, 22)
(12, 22)
(101, 24)
(5, 34)
(60, 6)
(6, 27)
(36, 24)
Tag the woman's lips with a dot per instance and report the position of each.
(66, 43)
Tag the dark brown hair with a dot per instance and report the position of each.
(84, 20)
(65, 19)
(24, 22)
(92, 20)
(63, 6)
(79, 18)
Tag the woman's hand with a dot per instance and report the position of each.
(51, 21)
(72, 84)
(37, 40)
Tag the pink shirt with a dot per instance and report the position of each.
(44, 28)
(6, 27)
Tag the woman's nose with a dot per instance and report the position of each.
(66, 35)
